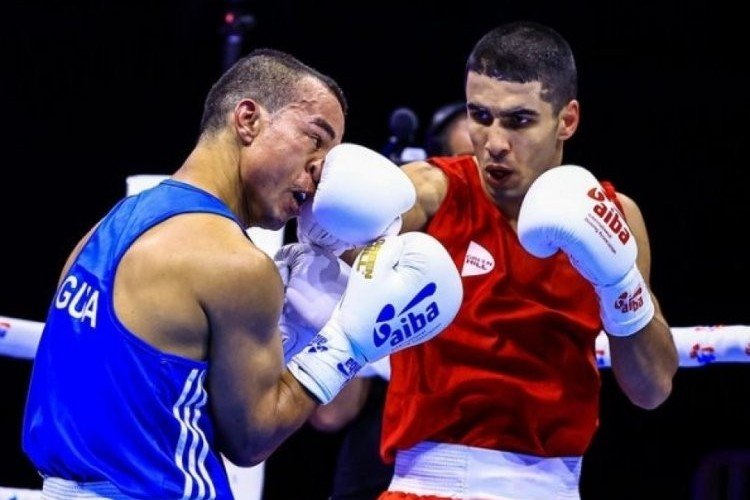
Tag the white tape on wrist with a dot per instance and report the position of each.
(326, 364)
(626, 306)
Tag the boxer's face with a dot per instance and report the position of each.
(288, 154)
(515, 133)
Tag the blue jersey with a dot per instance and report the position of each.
(103, 405)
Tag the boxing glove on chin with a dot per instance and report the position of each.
(566, 209)
(403, 290)
(360, 197)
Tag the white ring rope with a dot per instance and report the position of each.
(19, 338)
(696, 345)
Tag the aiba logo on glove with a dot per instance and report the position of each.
(411, 324)
(609, 214)
(626, 303)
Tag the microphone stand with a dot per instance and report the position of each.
(237, 23)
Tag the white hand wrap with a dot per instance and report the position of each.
(360, 197)
(403, 290)
(626, 306)
(566, 209)
(314, 280)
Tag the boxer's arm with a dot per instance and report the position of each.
(257, 404)
(566, 209)
(255, 400)
(645, 363)
(343, 408)
(431, 186)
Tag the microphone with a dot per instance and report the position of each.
(403, 125)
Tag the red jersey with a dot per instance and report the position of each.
(516, 370)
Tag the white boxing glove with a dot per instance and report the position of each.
(380, 368)
(566, 209)
(360, 197)
(314, 280)
(403, 290)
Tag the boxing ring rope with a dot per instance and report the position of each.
(697, 346)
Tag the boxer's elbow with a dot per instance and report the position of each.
(654, 395)
(247, 454)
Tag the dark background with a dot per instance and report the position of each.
(95, 91)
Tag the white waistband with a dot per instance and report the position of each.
(465, 472)
(55, 488)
